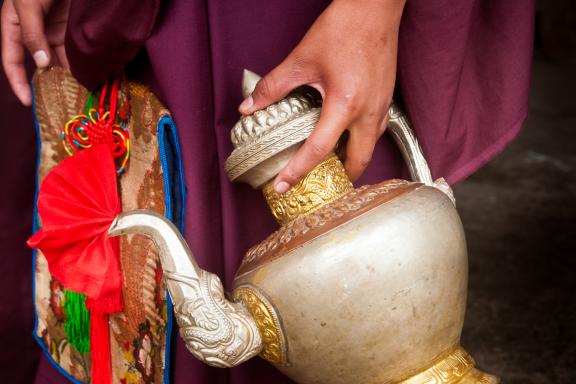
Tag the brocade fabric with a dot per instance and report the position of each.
(138, 334)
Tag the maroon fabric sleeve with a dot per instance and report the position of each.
(19, 356)
(103, 35)
(464, 76)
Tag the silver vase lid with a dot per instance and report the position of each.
(265, 141)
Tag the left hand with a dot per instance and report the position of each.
(38, 26)
(349, 56)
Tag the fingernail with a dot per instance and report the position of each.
(41, 59)
(281, 187)
(246, 104)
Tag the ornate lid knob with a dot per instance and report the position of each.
(265, 141)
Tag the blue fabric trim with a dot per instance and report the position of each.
(34, 252)
(174, 199)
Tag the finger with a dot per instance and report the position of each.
(13, 55)
(55, 32)
(60, 55)
(359, 149)
(31, 18)
(273, 87)
(55, 61)
(334, 119)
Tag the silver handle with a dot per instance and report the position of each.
(401, 130)
(399, 127)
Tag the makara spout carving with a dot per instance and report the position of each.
(216, 331)
(361, 286)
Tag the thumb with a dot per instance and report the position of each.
(271, 88)
(31, 17)
(319, 144)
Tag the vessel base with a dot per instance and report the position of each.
(456, 367)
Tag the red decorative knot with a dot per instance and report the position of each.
(100, 127)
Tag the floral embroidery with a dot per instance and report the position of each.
(57, 298)
(144, 352)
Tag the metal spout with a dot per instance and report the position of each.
(216, 331)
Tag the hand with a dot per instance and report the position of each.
(349, 56)
(39, 26)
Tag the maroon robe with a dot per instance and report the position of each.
(463, 77)
(18, 354)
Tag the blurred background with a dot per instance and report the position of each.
(519, 213)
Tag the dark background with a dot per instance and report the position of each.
(519, 213)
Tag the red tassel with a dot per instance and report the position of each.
(100, 335)
(100, 348)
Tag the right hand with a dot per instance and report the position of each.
(349, 56)
(40, 27)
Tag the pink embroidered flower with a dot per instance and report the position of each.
(57, 298)
(144, 352)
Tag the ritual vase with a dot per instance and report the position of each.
(363, 285)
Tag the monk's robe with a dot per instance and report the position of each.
(463, 76)
(19, 353)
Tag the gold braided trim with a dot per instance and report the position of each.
(137, 89)
(456, 368)
(267, 322)
(324, 184)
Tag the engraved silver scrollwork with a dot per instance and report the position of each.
(216, 331)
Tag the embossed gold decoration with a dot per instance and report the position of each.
(325, 183)
(354, 201)
(267, 322)
(456, 367)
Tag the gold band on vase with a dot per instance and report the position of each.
(457, 367)
(325, 183)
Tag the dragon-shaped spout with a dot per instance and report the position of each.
(216, 331)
